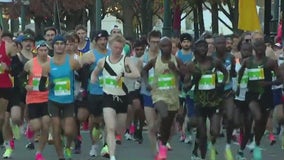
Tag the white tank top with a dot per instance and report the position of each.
(111, 85)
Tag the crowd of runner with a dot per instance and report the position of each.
(206, 88)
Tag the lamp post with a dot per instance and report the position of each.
(98, 14)
(167, 28)
(24, 3)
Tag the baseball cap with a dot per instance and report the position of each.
(41, 43)
(99, 34)
(27, 37)
(58, 38)
(278, 45)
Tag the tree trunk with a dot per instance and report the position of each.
(72, 19)
(236, 17)
(195, 20)
(200, 16)
(214, 13)
(92, 17)
(176, 18)
(38, 26)
(128, 15)
(147, 16)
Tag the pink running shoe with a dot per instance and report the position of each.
(39, 157)
(272, 139)
(163, 152)
(240, 139)
(29, 133)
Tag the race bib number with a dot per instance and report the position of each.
(62, 87)
(112, 82)
(166, 81)
(256, 74)
(207, 82)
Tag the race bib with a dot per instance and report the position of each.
(244, 80)
(166, 81)
(112, 82)
(151, 79)
(36, 83)
(62, 87)
(207, 82)
(220, 76)
(255, 74)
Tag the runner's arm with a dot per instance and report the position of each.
(134, 70)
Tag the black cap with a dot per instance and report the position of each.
(28, 37)
(58, 38)
(185, 36)
(99, 34)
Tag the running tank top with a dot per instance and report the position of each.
(146, 59)
(87, 46)
(97, 88)
(184, 57)
(62, 76)
(165, 84)
(130, 82)
(228, 65)
(35, 96)
(5, 79)
(111, 85)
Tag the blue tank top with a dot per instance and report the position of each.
(145, 60)
(87, 46)
(62, 77)
(228, 65)
(97, 88)
(184, 57)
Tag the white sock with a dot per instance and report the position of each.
(7, 144)
(94, 146)
(228, 146)
(112, 158)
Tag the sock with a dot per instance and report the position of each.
(94, 146)
(228, 146)
(7, 144)
(112, 158)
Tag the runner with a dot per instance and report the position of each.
(84, 45)
(95, 97)
(150, 114)
(207, 96)
(135, 111)
(259, 94)
(36, 100)
(164, 91)
(49, 34)
(7, 51)
(61, 95)
(114, 69)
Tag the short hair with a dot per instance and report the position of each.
(72, 37)
(80, 27)
(117, 38)
(154, 33)
(138, 43)
(7, 34)
(51, 28)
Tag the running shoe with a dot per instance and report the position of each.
(128, 137)
(118, 139)
(8, 153)
(77, 148)
(240, 156)
(188, 139)
(257, 153)
(39, 156)
(195, 157)
(272, 139)
(163, 152)
(169, 146)
(96, 133)
(93, 152)
(182, 138)
(12, 144)
(105, 152)
(67, 153)
(228, 154)
(30, 146)
(251, 146)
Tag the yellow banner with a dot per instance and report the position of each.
(248, 17)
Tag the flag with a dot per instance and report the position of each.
(248, 17)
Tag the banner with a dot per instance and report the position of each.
(248, 17)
